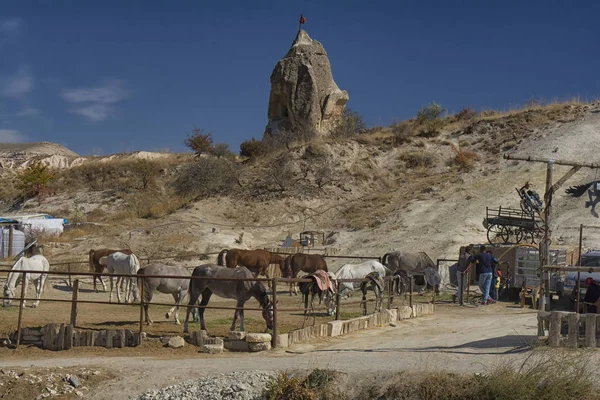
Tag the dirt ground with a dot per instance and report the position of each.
(468, 339)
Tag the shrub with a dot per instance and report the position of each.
(464, 159)
(146, 172)
(403, 132)
(430, 118)
(466, 114)
(417, 159)
(250, 148)
(221, 150)
(350, 124)
(34, 180)
(199, 142)
(206, 177)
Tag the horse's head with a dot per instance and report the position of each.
(267, 314)
(8, 294)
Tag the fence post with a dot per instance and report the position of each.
(410, 296)
(274, 336)
(337, 305)
(69, 268)
(19, 322)
(390, 293)
(141, 310)
(74, 303)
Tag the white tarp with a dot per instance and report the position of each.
(52, 226)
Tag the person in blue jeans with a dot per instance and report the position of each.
(495, 278)
(484, 266)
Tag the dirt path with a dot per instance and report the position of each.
(457, 339)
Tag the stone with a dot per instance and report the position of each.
(212, 348)
(404, 312)
(236, 345)
(236, 335)
(335, 328)
(254, 347)
(304, 96)
(392, 315)
(282, 341)
(258, 337)
(74, 381)
(176, 342)
(393, 324)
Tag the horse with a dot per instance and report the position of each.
(357, 271)
(35, 263)
(275, 268)
(322, 285)
(415, 264)
(309, 263)
(256, 261)
(97, 267)
(126, 264)
(375, 282)
(239, 290)
(177, 287)
(400, 282)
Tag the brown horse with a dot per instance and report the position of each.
(256, 261)
(95, 266)
(308, 263)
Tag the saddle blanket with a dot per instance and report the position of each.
(322, 279)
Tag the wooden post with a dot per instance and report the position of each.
(544, 249)
(274, 336)
(141, 310)
(74, 302)
(410, 298)
(390, 297)
(555, 325)
(337, 305)
(20, 320)
(573, 333)
(69, 269)
(579, 272)
(10, 240)
(590, 330)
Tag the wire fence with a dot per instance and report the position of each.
(74, 301)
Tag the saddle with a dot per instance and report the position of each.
(374, 276)
(322, 279)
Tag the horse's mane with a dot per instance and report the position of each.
(579, 190)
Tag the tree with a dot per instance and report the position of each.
(199, 142)
(430, 118)
(146, 171)
(250, 148)
(34, 179)
(221, 150)
(350, 124)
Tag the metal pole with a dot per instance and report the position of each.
(390, 293)
(579, 272)
(274, 336)
(20, 320)
(69, 267)
(545, 248)
(141, 310)
(337, 306)
(74, 302)
(10, 240)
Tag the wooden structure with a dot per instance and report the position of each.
(310, 238)
(510, 226)
(568, 329)
(529, 292)
(63, 337)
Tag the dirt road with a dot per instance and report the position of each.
(456, 339)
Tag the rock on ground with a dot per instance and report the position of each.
(234, 386)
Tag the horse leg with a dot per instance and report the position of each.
(168, 314)
(111, 289)
(119, 281)
(238, 312)
(194, 294)
(26, 283)
(147, 297)
(205, 298)
(177, 304)
(102, 282)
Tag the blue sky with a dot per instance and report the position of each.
(111, 76)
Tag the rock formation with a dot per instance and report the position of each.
(304, 95)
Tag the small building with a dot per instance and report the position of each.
(310, 238)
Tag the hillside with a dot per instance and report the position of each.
(391, 188)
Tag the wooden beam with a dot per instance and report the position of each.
(546, 160)
(565, 177)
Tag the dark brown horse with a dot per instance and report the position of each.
(95, 266)
(256, 261)
(308, 263)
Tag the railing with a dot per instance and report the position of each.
(274, 281)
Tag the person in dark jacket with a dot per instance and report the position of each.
(484, 262)
(592, 295)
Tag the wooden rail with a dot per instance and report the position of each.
(581, 329)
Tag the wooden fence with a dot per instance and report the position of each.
(569, 329)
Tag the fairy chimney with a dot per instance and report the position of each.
(304, 96)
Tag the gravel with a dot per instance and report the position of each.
(234, 386)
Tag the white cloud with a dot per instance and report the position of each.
(11, 136)
(28, 111)
(96, 103)
(18, 84)
(10, 26)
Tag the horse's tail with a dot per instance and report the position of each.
(384, 258)
(221, 257)
(134, 262)
(388, 271)
(288, 265)
(91, 259)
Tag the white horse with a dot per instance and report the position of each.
(35, 263)
(126, 264)
(357, 271)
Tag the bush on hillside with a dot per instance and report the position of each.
(350, 124)
(220, 150)
(430, 118)
(199, 142)
(146, 172)
(417, 159)
(464, 159)
(250, 148)
(35, 179)
(206, 177)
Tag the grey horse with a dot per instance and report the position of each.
(176, 286)
(415, 264)
(239, 290)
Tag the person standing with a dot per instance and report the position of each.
(495, 280)
(484, 265)
(463, 265)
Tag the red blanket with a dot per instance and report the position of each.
(322, 280)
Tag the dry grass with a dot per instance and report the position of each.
(464, 159)
(418, 159)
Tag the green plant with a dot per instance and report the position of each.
(146, 172)
(206, 177)
(34, 179)
(430, 118)
(350, 124)
(199, 142)
(250, 148)
(221, 150)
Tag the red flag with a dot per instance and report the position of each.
(302, 19)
